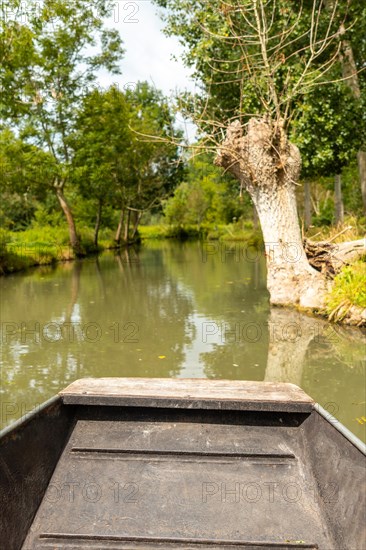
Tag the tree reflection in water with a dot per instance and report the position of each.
(168, 310)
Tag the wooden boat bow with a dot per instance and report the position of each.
(182, 464)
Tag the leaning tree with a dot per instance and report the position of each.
(254, 59)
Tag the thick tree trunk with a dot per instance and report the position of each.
(361, 158)
(117, 238)
(307, 204)
(268, 166)
(338, 200)
(74, 239)
(127, 226)
(97, 223)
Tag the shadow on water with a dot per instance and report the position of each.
(169, 310)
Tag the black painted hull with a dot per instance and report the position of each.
(99, 477)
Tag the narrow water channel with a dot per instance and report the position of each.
(169, 310)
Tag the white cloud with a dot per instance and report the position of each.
(149, 53)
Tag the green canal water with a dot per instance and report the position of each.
(169, 310)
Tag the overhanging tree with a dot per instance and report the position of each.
(265, 55)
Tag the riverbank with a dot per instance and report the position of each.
(49, 245)
(42, 246)
(345, 303)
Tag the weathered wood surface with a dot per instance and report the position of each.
(188, 393)
(182, 485)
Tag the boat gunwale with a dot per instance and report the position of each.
(68, 398)
(29, 416)
(341, 428)
(188, 393)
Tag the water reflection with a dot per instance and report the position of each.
(168, 310)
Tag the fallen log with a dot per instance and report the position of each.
(329, 258)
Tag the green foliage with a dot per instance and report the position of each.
(123, 154)
(325, 215)
(236, 232)
(325, 131)
(42, 245)
(181, 233)
(156, 165)
(206, 197)
(25, 249)
(351, 190)
(4, 240)
(45, 235)
(16, 210)
(47, 67)
(47, 214)
(101, 142)
(236, 81)
(26, 170)
(243, 232)
(349, 288)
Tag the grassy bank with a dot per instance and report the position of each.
(47, 245)
(241, 232)
(348, 294)
(43, 246)
(346, 301)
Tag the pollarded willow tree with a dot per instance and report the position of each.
(254, 59)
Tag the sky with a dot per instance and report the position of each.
(149, 52)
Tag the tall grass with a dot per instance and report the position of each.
(42, 246)
(348, 289)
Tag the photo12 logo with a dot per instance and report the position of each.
(268, 491)
(92, 491)
(53, 332)
(289, 252)
(11, 411)
(125, 11)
